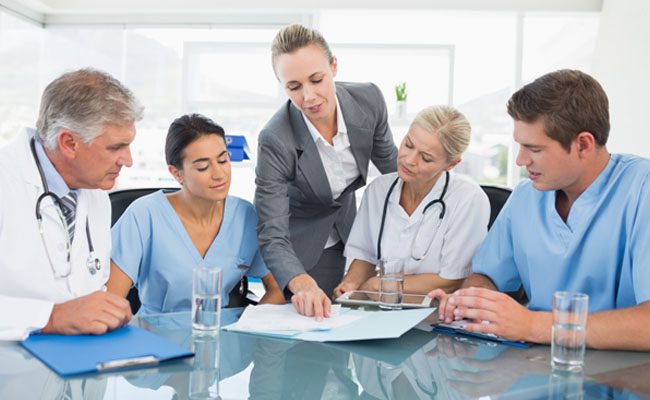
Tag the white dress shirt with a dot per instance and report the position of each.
(451, 241)
(339, 163)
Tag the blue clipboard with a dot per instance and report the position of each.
(127, 347)
(444, 328)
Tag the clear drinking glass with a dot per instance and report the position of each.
(391, 284)
(570, 311)
(206, 298)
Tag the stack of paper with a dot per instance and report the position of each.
(285, 318)
(344, 325)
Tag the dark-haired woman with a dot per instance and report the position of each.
(162, 236)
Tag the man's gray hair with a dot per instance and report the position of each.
(83, 101)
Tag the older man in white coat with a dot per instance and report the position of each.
(54, 220)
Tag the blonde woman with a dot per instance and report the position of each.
(313, 154)
(423, 214)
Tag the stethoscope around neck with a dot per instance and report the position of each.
(440, 200)
(93, 263)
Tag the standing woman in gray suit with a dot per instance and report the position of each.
(312, 155)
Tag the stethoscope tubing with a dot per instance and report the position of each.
(58, 202)
(440, 200)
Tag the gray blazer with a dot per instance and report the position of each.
(293, 197)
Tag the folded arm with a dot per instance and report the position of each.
(95, 313)
(418, 284)
(358, 273)
(612, 329)
(119, 282)
(620, 329)
(273, 293)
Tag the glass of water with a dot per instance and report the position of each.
(206, 298)
(570, 311)
(391, 284)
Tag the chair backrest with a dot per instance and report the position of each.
(498, 195)
(120, 201)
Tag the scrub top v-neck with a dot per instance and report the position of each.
(151, 246)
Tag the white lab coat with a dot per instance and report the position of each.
(451, 241)
(28, 287)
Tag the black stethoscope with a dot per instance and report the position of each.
(93, 263)
(440, 200)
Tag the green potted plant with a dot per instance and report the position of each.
(400, 99)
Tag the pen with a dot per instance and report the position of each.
(127, 362)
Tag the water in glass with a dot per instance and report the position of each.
(391, 284)
(205, 311)
(568, 346)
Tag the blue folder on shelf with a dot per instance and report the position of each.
(127, 347)
(237, 154)
(237, 147)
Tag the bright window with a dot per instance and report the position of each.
(468, 59)
(20, 44)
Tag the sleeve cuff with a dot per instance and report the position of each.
(26, 316)
(357, 254)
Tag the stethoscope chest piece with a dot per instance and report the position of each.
(93, 263)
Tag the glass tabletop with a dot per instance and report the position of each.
(418, 365)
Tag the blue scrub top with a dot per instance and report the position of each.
(151, 245)
(602, 250)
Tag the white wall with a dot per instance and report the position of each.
(622, 66)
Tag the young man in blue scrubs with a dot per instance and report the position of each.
(580, 224)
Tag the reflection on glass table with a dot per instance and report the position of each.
(418, 365)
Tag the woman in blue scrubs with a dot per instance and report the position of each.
(161, 237)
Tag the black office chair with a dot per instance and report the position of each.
(120, 200)
(498, 195)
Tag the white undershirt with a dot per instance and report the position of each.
(337, 158)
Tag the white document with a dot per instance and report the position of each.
(348, 325)
(284, 318)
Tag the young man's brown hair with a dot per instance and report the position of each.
(568, 102)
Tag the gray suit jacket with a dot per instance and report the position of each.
(293, 197)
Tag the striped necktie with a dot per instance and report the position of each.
(69, 202)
